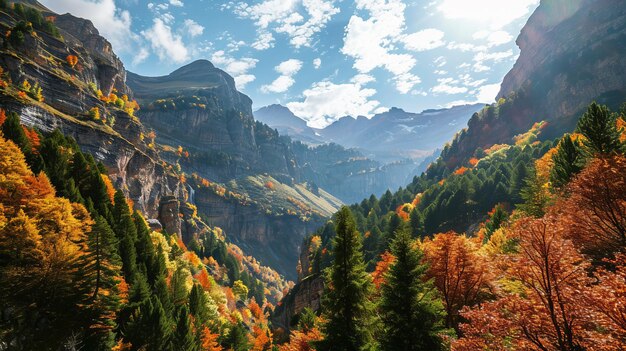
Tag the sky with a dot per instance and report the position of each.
(324, 59)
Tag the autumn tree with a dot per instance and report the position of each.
(458, 271)
(595, 213)
(347, 311)
(412, 313)
(549, 310)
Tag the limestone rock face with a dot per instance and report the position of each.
(168, 215)
(307, 293)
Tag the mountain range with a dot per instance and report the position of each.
(387, 137)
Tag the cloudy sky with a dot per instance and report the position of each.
(324, 59)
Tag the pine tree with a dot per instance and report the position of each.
(598, 125)
(198, 302)
(412, 313)
(102, 266)
(347, 310)
(534, 197)
(568, 161)
(237, 338)
(417, 224)
(12, 130)
(178, 286)
(183, 338)
(518, 178)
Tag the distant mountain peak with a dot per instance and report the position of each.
(195, 66)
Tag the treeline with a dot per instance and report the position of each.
(80, 269)
(547, 275)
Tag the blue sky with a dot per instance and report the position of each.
(324, 59)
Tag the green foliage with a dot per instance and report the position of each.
(411, 310)
(568, 161)
(237, 338)
(598, 125)
(183, 338)
(349, 315)
(307, 320)
(495, 221)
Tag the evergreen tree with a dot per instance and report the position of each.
(411, 312)
(349, 317)
(237, 338)
(534, 197)
(417, 224)
(102, 266)
(178, 286)
(12, 130)
(163, 294)
(183, 338)
(198, 303)
(599, 127)
(518, 179)
(568, 161)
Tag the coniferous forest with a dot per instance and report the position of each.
(158, 213)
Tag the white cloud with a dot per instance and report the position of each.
(487, 93)
(282, 16)
(167, 45)
(112, 22)
(424, 40)
(448, 86)
(264, 41)
(496, 38)
(287, 70)
(325, 102)
(440, 61)
(289, 67)
(141, 56)
(371, 41)
(317, 63)
(193, 28)
(483, 57)
(178, 3)
(238, 68)
(362, 79)
(495, 13)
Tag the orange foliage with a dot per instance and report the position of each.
(386, 260)
(256, 310)
(473, 161)
(269, 185)
(123, 290)
(192, 258)
(441, 182)
(461, 170)
(3, 116)
(209, 340)
(416, 201)
(21, 95)
(621, 126)
(595, 212)
(300, 341)
(403, 211)
(552, 311)
(109, 187)
(203, 278)
(32, 137)
(458, 272)
(262, 339)
(495, 148)
(72, 60)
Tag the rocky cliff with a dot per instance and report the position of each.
(69, 91)
(572, 53)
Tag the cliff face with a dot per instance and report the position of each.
(67, 96)
(572, 53)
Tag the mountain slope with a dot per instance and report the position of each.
(572, 53)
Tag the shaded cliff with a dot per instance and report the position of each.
(572, 53)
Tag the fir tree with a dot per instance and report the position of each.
(568, 161)
(497, 218)
(518, 179)
(599, 127)
(183, 338)
(237, 338)
(178, 287)
(348, 312)
(412, 313)
(417, 224)
(12, 130)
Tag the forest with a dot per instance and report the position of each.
(544, 270)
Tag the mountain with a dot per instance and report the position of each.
(391, 136)
(283, 120)
(572, 53)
